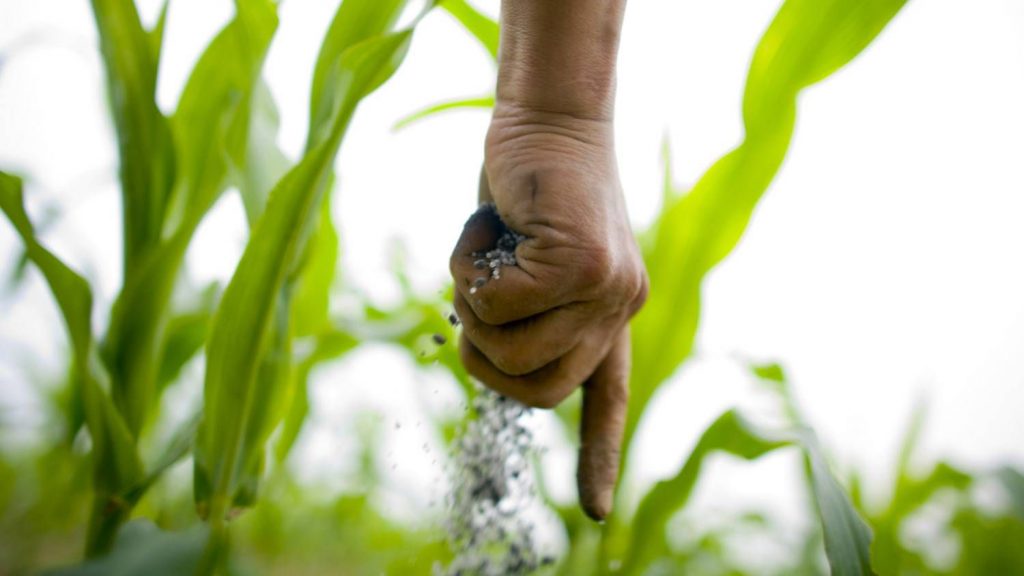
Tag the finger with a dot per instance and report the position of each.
(605, 400)
(545, 387)
(524, 346)
(522, 291)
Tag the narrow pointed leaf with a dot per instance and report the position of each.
(116, 464)
(847, 536)
(313, 285)
(484, 29)
(265, 163)
(807, 41)
(330, 345)
(234, 430)
(729, 434)
(145, 148)
(354, 22)
(211, 129)
(482, 102)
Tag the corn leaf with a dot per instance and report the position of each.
(847, 536)
(807, 41)
(265, 162)
(142, 548)
(480, 26)
(235, 428)
(330, 345)
(130, 55)
(185, 336)
(730, 434)
(156, 35)
(486, 31)
(313, 284)
(481, 102)
(1013, 482)
(354, 22)
(116, 463)
(211, 129)
(213, 118)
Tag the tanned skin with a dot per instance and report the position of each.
(558, 320)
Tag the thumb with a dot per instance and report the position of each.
(605, 399)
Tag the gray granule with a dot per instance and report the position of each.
(492, 485)
(491, 489)
(503, 253)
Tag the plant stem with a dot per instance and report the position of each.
(105, 520)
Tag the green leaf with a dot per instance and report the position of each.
(316, 276)
(847, 537)
(482, 102)
(480, 26)
(211, 129)
(116, 464)
(145, 148)
(330, 345)
(1013, 481)
(212, 122)
(185, 336)
(156, 35)
(265, 163)
(808, 40)
(142, 548)
(234, 429)
(730, 434)
(354, 22)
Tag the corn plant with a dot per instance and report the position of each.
(264, 333)
(173, 168)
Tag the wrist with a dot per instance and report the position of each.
(560, 56)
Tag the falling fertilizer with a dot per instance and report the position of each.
(491, 485)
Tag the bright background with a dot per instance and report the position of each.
(885, 264)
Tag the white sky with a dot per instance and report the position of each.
(883, 265)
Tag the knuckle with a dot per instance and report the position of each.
(594, 267)
(642, 291)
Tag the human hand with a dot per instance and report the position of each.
(557, 320)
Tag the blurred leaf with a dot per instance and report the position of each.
(770, 372)
(145, 147)
(235, 427)
(185, 336)
(116, 463)
(354, 22)
(142, 548)
(807, 40)
(213, 117)
(482, 102)
(990, 545)
(156, 35)
(480, 26)
(211, 130)
(265, 162)
(1013, 481)
(731, 434)
(316, 276)
(847, 537)
(329, 345)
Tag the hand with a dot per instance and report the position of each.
(559, 319)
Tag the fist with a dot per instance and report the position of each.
(558, 318)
